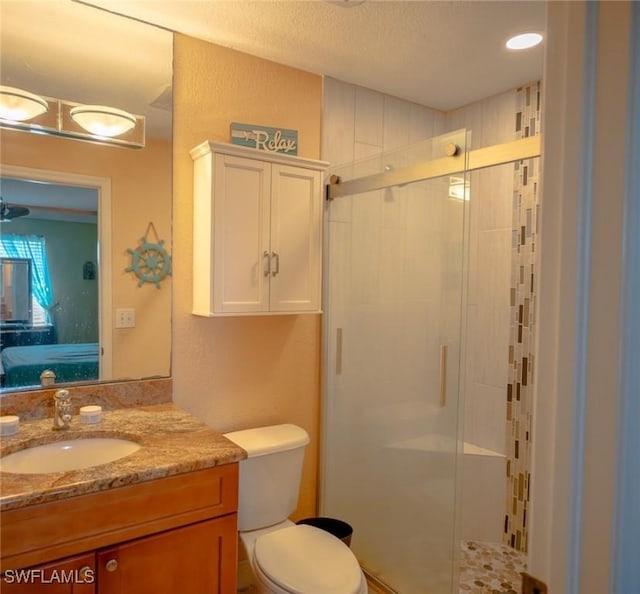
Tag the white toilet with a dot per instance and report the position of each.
(286, 558)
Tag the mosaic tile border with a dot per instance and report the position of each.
(526, 211)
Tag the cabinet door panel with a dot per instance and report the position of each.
(198, 559)
(75, 575)
(296, 239)
(241, 234)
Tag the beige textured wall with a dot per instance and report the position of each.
(236, 373)
(140, 193)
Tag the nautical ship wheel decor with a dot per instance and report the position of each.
(150, 261)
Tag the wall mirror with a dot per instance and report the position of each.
(85, 205)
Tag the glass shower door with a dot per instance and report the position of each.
(394, 282)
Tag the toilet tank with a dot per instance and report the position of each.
(270, 476)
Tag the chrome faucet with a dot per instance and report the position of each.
(61, 410)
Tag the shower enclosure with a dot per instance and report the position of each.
(394, 270)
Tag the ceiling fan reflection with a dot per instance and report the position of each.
(9, 212)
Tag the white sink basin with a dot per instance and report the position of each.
(72, 454)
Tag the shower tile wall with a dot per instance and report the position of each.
(488, 310)
(360, 123)
(526, 203)
(498, 366)
(485, 364)
(393, 306)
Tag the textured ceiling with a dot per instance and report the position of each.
(443, 54)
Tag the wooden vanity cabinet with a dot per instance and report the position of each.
(175, 534)
(194, 558)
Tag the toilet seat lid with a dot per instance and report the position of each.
(303, 559)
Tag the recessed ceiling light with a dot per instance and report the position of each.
(524, 41)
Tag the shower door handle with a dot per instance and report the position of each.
(443, 375)
(338, 351)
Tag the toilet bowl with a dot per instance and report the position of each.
(286, 558)
(292, 559)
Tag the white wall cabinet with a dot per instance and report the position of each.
(257, 232)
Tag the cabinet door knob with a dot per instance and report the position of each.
(276, 257)
(111, 565)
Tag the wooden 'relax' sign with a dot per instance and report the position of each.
(264, 138)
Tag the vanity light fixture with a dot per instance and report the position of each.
(102, 120)
(17, 105)
(57, 117)
(523, 41)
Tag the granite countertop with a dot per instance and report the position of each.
(172, 442)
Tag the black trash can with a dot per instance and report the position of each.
(338, 528)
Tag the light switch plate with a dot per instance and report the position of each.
(125, 317)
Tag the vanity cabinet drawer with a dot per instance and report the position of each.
(39, 533)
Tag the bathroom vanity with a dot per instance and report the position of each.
(161, 520)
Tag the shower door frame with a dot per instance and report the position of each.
(454, 162)
(499, 154)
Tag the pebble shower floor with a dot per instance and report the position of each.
(485, 568)
(490, 568)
